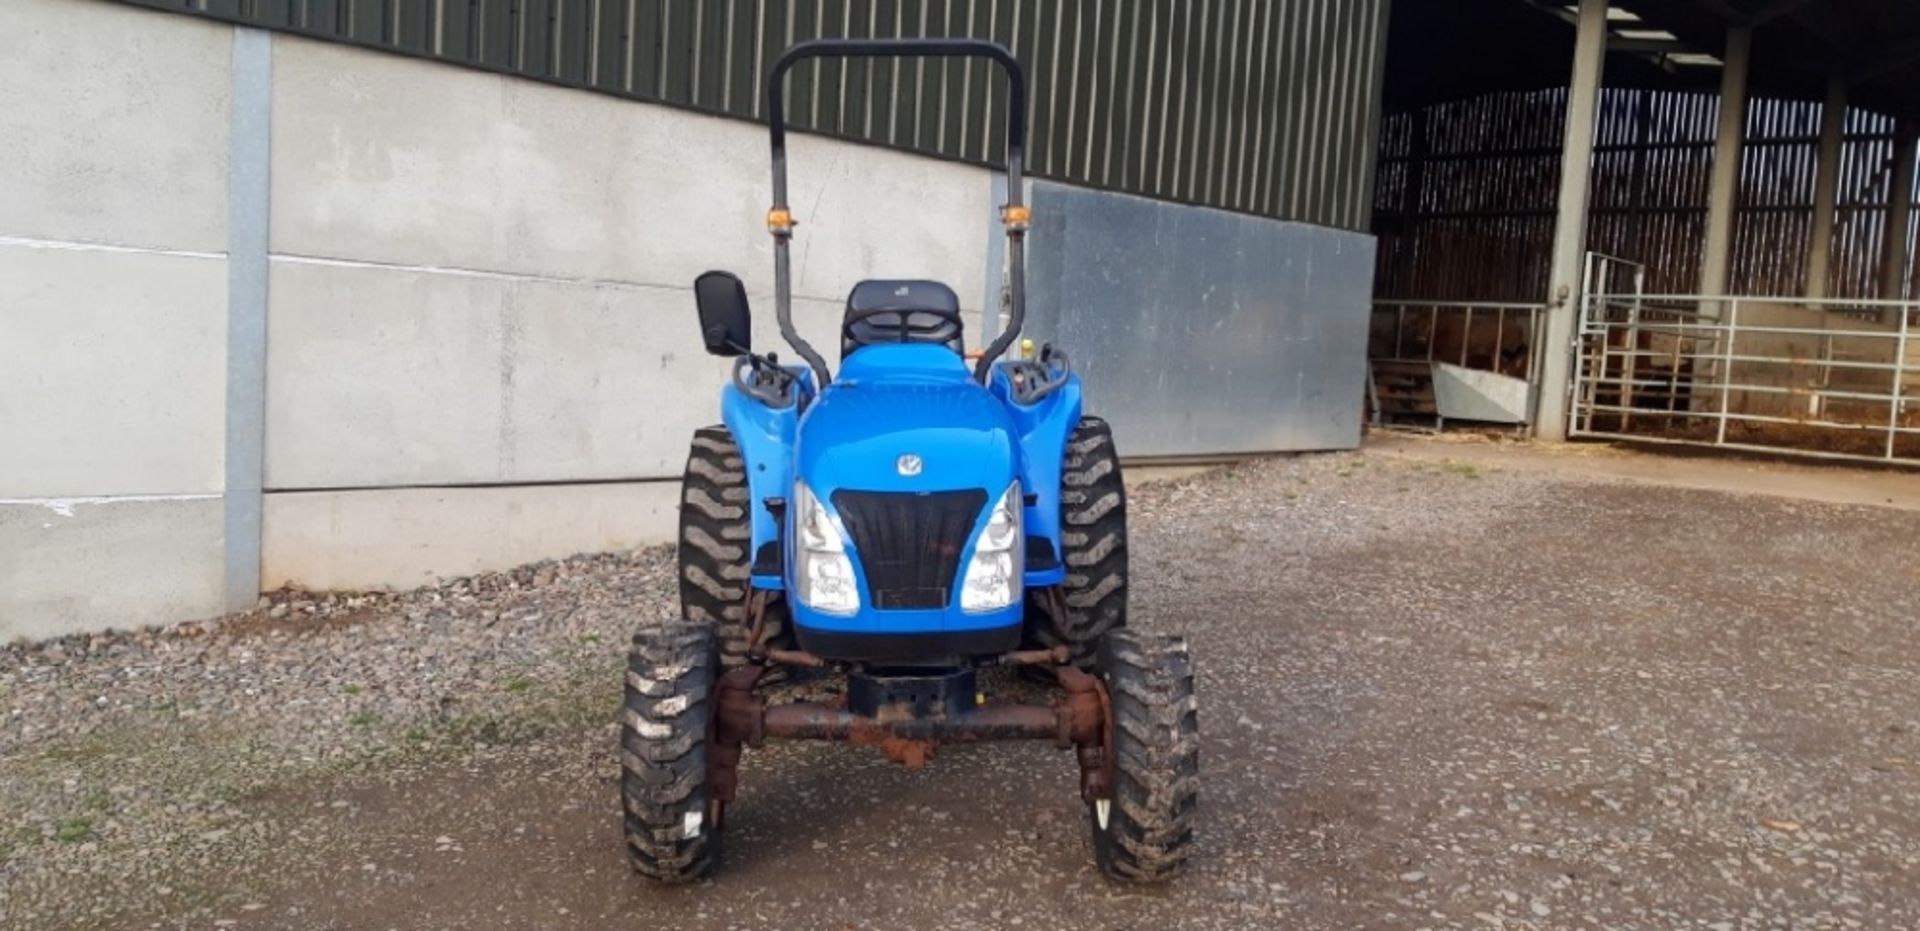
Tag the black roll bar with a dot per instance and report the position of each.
(1013, 215)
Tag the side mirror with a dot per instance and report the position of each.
(725, 322)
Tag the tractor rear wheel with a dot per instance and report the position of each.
(671, 822)
(1143, 835)
(1093, 542)
(716, 538)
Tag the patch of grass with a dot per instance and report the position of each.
(352, 689)
(74, 831)
(517, 684)
(476, 729)
(579, 699)
(1462, 469)
(79, 750)
(590, 638)
(363, 719)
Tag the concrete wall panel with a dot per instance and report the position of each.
(486, 280)
(90, 564)
(380, 377)
(112, 372)
(873, 213)
(408, 537)
(114, 125)
(385, 159)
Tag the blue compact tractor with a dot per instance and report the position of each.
(899, 533)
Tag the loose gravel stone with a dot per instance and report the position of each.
(1434, 695)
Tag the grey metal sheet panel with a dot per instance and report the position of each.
(1461, 393)
(1200, 331)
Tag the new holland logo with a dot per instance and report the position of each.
(908, 465)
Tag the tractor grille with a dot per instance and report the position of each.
(909, 543)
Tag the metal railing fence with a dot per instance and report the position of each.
(1416, 331)
(1828, 378)
(1406, 338)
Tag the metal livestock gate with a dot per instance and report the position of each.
(1834, 378)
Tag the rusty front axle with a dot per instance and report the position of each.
(908, 728)
(805, 721)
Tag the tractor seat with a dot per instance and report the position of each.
(900, 312)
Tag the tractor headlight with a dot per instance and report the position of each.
(993, 576)
(822, 570)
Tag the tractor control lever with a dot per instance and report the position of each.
(1034, 379)
(764, 378)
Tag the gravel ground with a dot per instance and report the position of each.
(1434, 695)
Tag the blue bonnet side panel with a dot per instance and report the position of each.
(766, 438)
(1043, 429)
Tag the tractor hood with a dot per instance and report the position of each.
(906, 418)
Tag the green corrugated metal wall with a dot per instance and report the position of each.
(1261, 106)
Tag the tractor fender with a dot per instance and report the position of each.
(1043, 428)
(765, 435)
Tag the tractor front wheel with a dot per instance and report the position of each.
(1144, 832)
(716, 530)
(1093, 542)
(671, 821)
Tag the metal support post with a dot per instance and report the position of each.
(1570, 230)
(1826, 187)
(1727, 157)
(1726, 372)
(1899, 382)
(1897, 248)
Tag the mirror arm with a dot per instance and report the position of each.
(718, 334)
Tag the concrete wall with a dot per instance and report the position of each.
(486, 282)
(480, 347)
(274, 310)
(488, 278)
(113, 239)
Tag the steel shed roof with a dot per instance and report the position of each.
(1449, 49)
